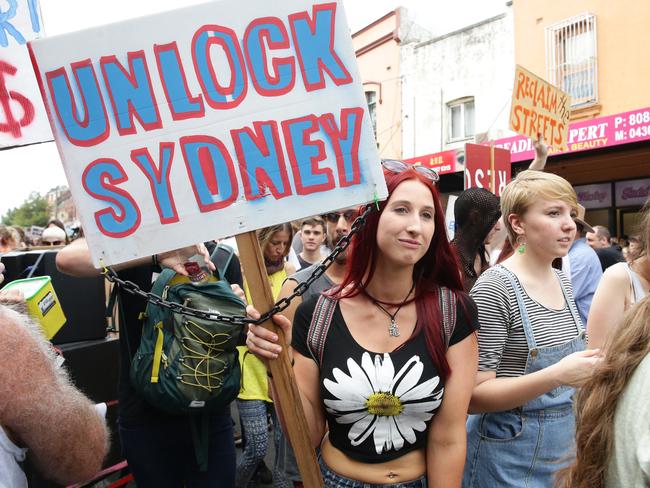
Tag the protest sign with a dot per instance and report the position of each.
(208, 121)
(487, 167)
(539, 108)
(22, 115)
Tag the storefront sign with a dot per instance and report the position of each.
(611, 130)
(443, 162)
(595, 196)
(632, 193)
(539, 108)
(23, 119)
(208, 121)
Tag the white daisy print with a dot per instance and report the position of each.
(376, 401)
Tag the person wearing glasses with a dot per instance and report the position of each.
(337, 225)
(386, 392)
(531, 343)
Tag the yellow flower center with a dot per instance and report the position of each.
(384, 404)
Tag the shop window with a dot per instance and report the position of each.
(371, 100)
(571, 58)
(460, 114)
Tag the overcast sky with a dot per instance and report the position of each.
(38, 167)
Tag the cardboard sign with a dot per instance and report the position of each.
(22, 115)
(540, 108)
(208, 121)
(487, 167)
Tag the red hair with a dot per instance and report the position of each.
(438, 267)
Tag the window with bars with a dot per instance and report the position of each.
(571, 58)
(371, 100)
(460, 114)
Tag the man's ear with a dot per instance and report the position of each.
(517, 224)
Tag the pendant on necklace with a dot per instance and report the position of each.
(393, 329)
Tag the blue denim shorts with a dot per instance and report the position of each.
(333, 480)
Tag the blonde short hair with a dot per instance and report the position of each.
(528, 187)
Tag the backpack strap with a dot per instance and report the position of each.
(224, 268)
(319, 326)
(162, 281)
(447, 301)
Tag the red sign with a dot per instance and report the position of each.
(611, 130)
(484, 169)
(443, 162)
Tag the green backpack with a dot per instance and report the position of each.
(189, 365)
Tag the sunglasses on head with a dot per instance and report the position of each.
(395, 166)
(348, 215)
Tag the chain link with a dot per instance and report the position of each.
(278, 307)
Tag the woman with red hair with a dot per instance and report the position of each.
(385, 389)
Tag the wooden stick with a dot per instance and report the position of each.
(284, 383)
(492, 175)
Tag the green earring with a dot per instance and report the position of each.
(522, 248)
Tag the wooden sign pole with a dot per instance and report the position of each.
(284, 384)
(493, 179)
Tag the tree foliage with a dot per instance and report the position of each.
(33, 211)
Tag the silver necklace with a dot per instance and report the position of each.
(393, 328)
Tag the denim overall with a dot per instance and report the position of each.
(525, 446)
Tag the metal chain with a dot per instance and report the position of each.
(278, 307)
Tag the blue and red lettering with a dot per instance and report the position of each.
(131, 93)
(304, 154)
(216, 95)
(211, 172)
(261, 160)
(182, 104)
(82, 129)
(273, 31)
(100, 179)
(158, 177)
(314, 43)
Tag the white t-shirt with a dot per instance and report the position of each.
(11, 474)
(629, 465)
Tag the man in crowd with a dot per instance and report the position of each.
(41, 414)
(599, 242)
(312, 236)
(338, 225)
(583, 267)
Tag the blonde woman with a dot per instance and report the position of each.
(254, 399)
(622, 285)
(531, 343)
(613, 412)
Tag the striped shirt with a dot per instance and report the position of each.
(501, 338)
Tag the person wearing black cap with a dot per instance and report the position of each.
(476, 213)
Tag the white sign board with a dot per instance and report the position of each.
(22, 115)
(208, 121)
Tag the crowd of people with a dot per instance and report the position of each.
(55, 233)
(515, 355)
